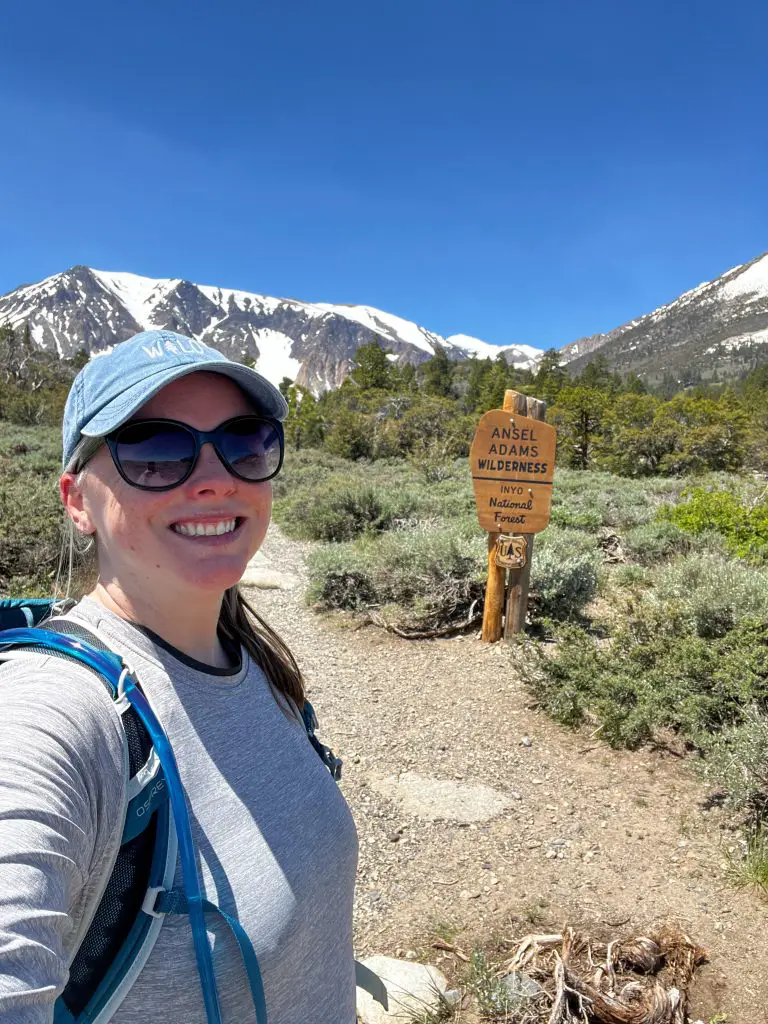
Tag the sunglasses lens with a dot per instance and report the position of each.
(253, 448)
(153, 455)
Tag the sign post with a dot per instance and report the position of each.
(513, 464)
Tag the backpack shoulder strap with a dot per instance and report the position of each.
(117, 937)
(18, 612)
(332, 763)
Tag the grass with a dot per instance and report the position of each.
(446, 930)
(444, 1011)
(751, 869)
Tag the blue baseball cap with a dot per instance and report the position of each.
(111, 388)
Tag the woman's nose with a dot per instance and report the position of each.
(210, 474)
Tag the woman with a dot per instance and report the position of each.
(275, 841)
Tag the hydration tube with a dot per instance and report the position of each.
(105, 663)
(190, 878)
(111, 667)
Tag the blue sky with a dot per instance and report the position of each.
(521, 172)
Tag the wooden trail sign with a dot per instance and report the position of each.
(513, 463)
(513, 466)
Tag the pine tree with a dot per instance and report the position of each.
(551, 377)
(406, 381)
(495, 383)
(479, 371)
(372, 369)
(598, 374)
(578, 417)
(437, 374)
(634, 385)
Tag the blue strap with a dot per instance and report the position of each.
(62, 1014)
(173, 901)
(187, 857)
(108, 665)
(110, 668)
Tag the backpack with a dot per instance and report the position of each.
(139, 891)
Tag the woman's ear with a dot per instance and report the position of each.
(73, 500)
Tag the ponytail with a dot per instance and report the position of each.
(239, 621)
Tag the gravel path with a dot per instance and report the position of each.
(613, 840)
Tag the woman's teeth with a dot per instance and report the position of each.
(205, 529)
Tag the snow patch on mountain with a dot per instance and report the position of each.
(482, 349)
(521, 356)
(229, 299)
(138, 294)
(751, 284)
(387, 324)
(737, 340)
(275, 360)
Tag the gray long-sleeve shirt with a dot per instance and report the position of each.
(276, 842)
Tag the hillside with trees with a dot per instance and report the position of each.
(604, 421)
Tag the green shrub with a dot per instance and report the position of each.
(737, 761)
(319, 492)
(654, 673)
(744, 524)
(340, 580)
(421, 578)
(23, 407)
(342, 513)
(750, 870)
(350, 436)
(654, 542)
(310, 469)
(564, 573)
(577, 518)
(630, 577)
(30, 511)
(494, 999)
(612, 500)
(564, 542)
(710, 593)
(563, 587)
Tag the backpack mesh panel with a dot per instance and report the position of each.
(114, 919)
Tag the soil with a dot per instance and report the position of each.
(615, 842)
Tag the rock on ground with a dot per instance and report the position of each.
(411, 988)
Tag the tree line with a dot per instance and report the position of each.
(34, 383)
(428, 413)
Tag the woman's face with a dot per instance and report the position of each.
(137, 532)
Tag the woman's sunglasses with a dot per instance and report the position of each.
(157, 455)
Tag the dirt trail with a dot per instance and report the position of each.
(614, 840)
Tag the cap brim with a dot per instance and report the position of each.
(266, 396)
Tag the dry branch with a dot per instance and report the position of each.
(635, 979)
(425, 634)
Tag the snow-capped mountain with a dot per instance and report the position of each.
(312, 343)
(718, 329)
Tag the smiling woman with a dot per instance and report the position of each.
(153, 485)
(169, 453)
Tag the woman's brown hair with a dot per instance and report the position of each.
(239, 621)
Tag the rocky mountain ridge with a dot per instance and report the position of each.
(718, 330)
(311, 343)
